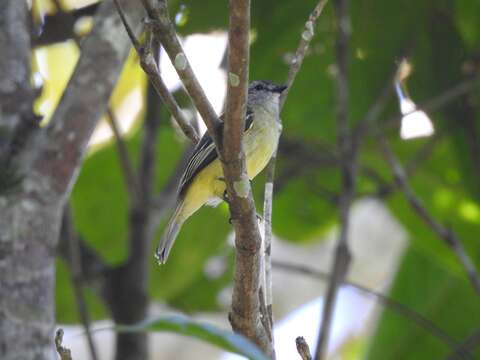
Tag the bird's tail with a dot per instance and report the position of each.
(170, 234)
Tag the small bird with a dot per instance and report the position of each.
(202, 181)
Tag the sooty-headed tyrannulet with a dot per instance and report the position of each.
(202, 181)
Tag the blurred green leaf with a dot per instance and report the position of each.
(440, 295)
(467, 16)
(66, 309)
(182, 325)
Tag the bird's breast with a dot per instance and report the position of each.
(261, 141)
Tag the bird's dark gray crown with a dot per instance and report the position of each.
(265, 85)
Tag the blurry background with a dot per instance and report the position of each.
(394, 251)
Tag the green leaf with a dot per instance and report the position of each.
(467, 16)
(427, 286)
(66, 308)
(211, 334)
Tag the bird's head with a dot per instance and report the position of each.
(261, 92)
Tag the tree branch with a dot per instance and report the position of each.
(445, 234)
(150, 66)
(164, 31)
(466, 346)
(125, 161)
(295, 66)
(392, 304)
(77, 277)
(302, 48)
(62, 145)
(246, 315)
(126, 164)
(127, 292)
(348, 162)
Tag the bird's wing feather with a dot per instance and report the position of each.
(204, 154)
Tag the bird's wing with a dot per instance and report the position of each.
(204, 153)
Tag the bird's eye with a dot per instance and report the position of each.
(258, 87)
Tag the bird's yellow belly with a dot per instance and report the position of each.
(258, 151)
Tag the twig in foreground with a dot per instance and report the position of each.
(150, 66)
(65, 354)
(445, 234)
(302, 348)
(384, 300)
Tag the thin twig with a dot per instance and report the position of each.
(466, 346)
(302, 348)
(306, 37)
(65, 354)
(295, 66)
(77, 277)
(164, 31)
(150, 66)
(386, 188)
(383, 299)
(444, 233)
(267, 239)
(348, 162)
(125, 161)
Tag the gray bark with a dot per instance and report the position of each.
(16, 94)
(15, 90)
(30, 214)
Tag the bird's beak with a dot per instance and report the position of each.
(280, 88)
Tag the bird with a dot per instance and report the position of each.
(202, 182)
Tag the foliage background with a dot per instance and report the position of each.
(442, 39)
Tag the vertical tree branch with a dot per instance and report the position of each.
(127, 292)
(348, 166)
(245, 316)
(31, 215)
(445, 234)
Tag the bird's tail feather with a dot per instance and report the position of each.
(170, 234)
